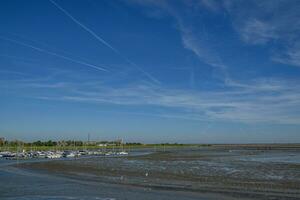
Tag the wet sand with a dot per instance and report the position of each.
(19, 184)
(227, 171)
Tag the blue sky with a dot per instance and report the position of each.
(194, 71)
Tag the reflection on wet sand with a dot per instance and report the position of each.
(217, 172)
(232, 172)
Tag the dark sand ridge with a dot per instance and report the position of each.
(216, 170)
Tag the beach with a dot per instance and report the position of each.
(218, 172)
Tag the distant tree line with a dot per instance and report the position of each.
(133, 143)
(168, 144)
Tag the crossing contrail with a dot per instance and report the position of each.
(97, 37)
(53, 54)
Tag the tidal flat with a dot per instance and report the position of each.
(216, 172)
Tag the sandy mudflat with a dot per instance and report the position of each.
(230, 171)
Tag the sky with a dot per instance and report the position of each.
(189, 71)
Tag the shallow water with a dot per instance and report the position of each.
(277, 157)
(188, 164)
(19, 184)
(268, 166)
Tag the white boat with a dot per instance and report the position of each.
(109, 154)
(71, 155)
(7, 154)
(123, 153)
(54, 155)
(41, 154)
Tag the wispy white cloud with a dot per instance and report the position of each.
(213, 5)
(199, 47)
(257, 101)
(258, 32)
(102, 41)
(84, 27)
(246, 104)
(249, 101)
(198, 43)
(291, 55)
(54, 54)
(274, 22)
(270, 21)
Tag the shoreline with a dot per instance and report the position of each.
(115, 171)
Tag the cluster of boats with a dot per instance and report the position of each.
(56, 154)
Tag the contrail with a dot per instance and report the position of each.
(53, 53)
(97, 37)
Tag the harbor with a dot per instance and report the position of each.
(20, 150)
(58, 154)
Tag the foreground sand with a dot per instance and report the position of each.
(233, 171)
